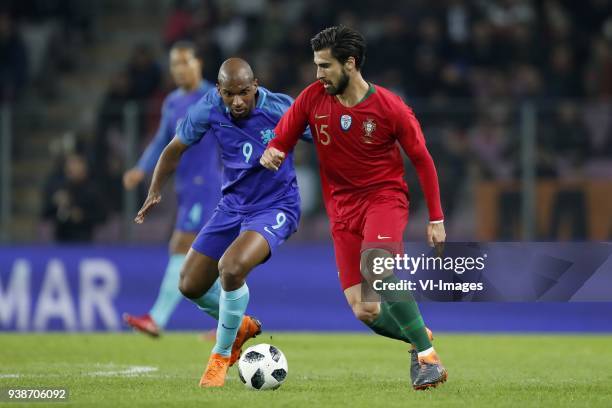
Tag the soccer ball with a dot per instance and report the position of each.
(262, 367)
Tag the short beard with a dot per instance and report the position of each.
(342, 84)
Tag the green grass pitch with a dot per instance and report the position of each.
(337, 370)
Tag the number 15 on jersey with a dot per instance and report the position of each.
(322, 136)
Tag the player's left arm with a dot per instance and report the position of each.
(166, 166)
(189, 131)
(410, 137)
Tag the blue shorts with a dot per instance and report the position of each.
(194, 211)
(275, 224)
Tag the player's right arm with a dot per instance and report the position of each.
(287, 132)
(188, 132)
(146, 163)
(166, 166)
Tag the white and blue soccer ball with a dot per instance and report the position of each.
(262, 367)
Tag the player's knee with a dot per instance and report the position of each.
(232, 273)
(366, 312)
(188, 288)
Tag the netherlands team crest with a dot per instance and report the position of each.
(345, 122)
(266, 136)
(369, 126)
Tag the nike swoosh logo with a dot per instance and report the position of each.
(228, 328)
(381, 237)
(320, 116)
(224, 125)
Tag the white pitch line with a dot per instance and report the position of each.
(131, 371)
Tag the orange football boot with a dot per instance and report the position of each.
(249, 328)
(214, 376)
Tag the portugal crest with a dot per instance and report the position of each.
(369, 126)
(345, 122)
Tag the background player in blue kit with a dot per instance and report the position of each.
(197, 182)
(257, 211)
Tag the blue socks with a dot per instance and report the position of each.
(209, 302)
(169, 295)
(232, 306)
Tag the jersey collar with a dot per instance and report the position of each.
(371, 90)
(261, 97)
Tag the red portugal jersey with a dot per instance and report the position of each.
(358, 147)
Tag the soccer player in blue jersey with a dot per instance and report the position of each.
(257, 211)
(197, 183)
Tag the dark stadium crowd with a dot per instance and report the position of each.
(469, 69)
(462, 65)
(38, 40)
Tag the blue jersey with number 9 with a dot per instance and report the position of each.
(247, 186)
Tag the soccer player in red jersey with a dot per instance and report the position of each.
(357, 127)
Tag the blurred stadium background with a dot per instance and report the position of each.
(514, 96)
